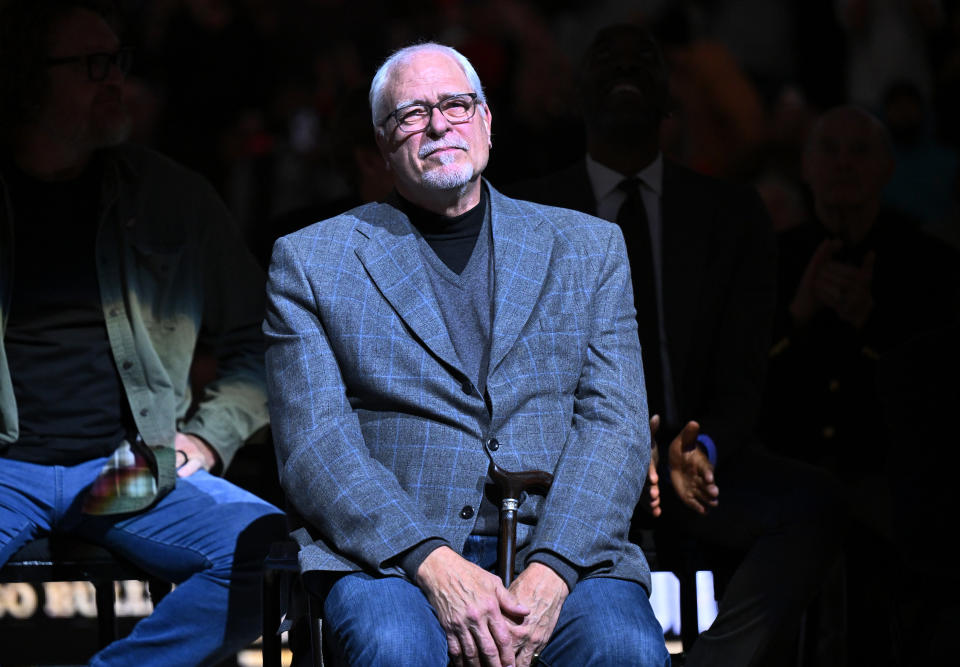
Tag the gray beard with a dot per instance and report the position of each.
(445, 178)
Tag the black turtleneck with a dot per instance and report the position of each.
(453, 239)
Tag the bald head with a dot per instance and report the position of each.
(847, 162)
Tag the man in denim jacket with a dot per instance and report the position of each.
(113, 262)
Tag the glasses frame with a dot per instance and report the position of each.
(430, 107)
(122, 59)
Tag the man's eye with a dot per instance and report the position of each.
(412, 113)
(457, 107)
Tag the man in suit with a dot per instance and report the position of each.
(411, 342)
(702, 259)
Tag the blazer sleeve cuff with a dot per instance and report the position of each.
(565, 570)
(411, 560)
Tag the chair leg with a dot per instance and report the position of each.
(106, 613)
(689, 621)
(316, 633)
(271, 619)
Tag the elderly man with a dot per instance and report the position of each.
(855, 283)
(411, 342)
(859, 287)
(113, 261)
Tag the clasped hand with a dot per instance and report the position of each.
(841, 287)
(486, 624)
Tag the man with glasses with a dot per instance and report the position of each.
(113, 262)
(413, 341)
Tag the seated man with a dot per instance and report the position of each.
(411, 342)
(113, 260)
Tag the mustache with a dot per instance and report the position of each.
(451, 142)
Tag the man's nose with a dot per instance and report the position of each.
(438, 124)
(114, 75)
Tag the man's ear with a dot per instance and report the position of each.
(487, 119)
(381, 138)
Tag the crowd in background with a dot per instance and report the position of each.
(266, 98)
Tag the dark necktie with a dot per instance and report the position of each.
(632, 218)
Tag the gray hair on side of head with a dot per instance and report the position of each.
(403, 56)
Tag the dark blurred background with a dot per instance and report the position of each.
(267, 97)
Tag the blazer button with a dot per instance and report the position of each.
(467, 387)
(466, 512)
(493, 444)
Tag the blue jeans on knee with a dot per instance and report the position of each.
(388, 622)
(207, 536)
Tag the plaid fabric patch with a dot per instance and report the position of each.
(126, 479)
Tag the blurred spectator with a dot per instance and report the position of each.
(360, 169)
(925, 181)
(215, 67)
(760, 35)
(887, 42)
(855, 282)
(946, 59)
(717, 123)
(779, 180)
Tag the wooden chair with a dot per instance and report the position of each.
(281, 583)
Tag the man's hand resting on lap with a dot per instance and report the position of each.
(473, 607)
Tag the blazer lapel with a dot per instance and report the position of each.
(521, 257)
(392, 257)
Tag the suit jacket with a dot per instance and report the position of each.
(382, 439)
(719, 292)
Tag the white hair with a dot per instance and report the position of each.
(403, 56)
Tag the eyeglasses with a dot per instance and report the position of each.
(98, 64)
(416, 116)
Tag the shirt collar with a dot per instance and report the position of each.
(605, 180)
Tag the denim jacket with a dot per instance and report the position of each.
(172, 270)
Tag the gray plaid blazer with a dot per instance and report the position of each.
(380, 437)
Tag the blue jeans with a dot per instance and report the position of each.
(207, 536)
(388, 622)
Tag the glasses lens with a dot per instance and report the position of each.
(98, 65)
(458, 109)
(413, 117)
